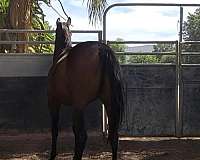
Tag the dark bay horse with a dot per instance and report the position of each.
(78, 76)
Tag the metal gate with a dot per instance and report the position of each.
(162, 99)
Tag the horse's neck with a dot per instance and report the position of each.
(59, 50)
(60, 46)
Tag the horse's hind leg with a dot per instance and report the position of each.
(113, 133)
(54, 113)
(113, 137)
(113, 124)
(80, 133)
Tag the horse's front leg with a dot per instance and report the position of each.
(54, 113)
(80, 133)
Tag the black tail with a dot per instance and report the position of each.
(111, 68)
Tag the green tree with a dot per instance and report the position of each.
(119, 48)
(124, 59)
(3, 11)
(42, 48)
(165, 48)
(191, 29)
(191, 32)
(142, 59)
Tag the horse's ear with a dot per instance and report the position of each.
(58, 21)
(69, 21)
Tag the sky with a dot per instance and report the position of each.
(128, 23)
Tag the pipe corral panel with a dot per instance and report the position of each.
(150, 92)
(151, 100)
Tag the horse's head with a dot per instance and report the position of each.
(63, 34)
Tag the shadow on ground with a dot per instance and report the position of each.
(36, 146)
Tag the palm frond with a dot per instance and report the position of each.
(96, 9)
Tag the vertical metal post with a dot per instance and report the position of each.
(181, 25)
(177, 90)
(179, 113)
(104, 121)
(103, 118)
(104, 25)
(100, 36)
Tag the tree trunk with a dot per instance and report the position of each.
(19, 17)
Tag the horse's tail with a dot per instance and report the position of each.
(112, 70)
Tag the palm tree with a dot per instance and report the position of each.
(20, 15)
(96, 9)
